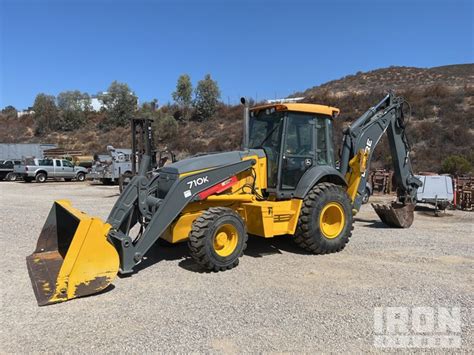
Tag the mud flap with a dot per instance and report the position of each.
(73, 257)
(396, 214)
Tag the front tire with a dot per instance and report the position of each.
(325, 222)
(81, 177)
(217, 239)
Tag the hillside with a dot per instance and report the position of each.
(441, 124)
(398, 78)
(441, 99)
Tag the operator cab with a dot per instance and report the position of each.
(295, 138)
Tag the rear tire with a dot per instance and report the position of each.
(11, 177)
(40, 177)
(325, 222)
(217, 239)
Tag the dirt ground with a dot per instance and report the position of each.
(279, 299)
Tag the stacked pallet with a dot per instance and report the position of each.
(60, 153)
(381, 181)
(465, 192)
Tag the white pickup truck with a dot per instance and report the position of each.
(43, 169)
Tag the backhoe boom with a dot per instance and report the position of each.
(363, 136)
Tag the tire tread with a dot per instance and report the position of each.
(198, 238)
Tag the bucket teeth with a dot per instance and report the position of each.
(396, 214)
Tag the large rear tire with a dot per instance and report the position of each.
(325, 222)
(218, 239)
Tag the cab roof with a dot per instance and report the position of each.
(300, 107)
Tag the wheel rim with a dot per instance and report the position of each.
(41, 178)
(225, 240)
(80, 177)
(332, 220)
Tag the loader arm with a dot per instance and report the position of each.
(139, 204)
(359, 142)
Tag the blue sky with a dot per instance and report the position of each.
(252, 48)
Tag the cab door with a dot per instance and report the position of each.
(298, 149)
(68, 169)
(58, 168)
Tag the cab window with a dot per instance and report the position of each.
(67, 163)
(324, 148)
(45, 162)
(265, 133)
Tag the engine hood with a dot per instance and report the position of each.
(208, 161)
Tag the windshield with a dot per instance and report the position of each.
(265, 130)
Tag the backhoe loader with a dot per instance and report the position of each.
(283, 182)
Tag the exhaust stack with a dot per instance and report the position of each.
(246, 130)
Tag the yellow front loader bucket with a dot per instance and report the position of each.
(73, 257)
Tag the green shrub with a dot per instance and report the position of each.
(456, 165)
(165, 127)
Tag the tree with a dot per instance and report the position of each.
(74, 101)
(456, 165)
(164, 126)
(46, 113)
(10, 112)
(207, 95)
(183, 94)
(120, 103)
(148, 109)
(74, 106)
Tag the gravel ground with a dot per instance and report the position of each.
(279, 299)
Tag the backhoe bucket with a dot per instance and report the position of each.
(396, 214)
(73, 257)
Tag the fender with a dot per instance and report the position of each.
(317, 173)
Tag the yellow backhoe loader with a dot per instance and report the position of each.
(283, 182)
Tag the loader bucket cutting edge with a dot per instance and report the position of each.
(396, 214)
(73, 257)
